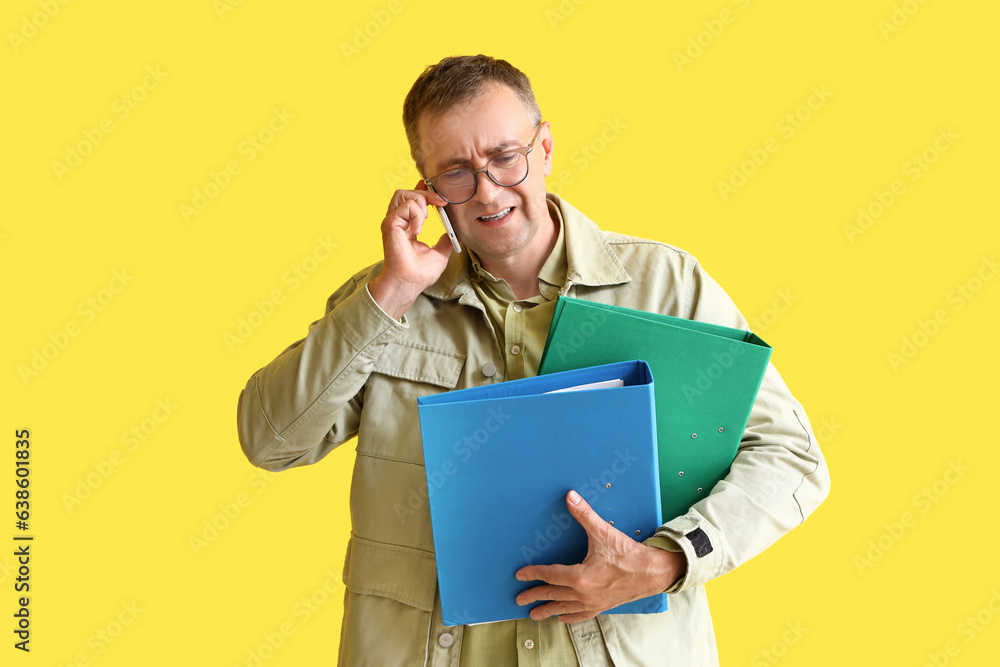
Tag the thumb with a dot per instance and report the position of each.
(443, 246)
(585, 515)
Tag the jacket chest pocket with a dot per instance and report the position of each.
(390, 427)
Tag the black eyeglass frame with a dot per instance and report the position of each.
(524, 150)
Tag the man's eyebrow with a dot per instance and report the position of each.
(499, 148)
(502, 146)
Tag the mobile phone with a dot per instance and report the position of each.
(445, 221)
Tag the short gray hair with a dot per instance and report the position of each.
(458, 79)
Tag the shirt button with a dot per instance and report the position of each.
(514, 349)
(489, 370)
(528, 644)
(517, 308)
(446, 640)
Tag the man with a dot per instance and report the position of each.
(427, 320)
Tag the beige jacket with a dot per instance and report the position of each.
(359, 372)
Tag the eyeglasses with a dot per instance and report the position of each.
(506, 169)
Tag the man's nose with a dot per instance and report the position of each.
(486, 190)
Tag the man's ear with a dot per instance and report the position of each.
(545, 137)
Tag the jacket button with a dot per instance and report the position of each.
(446, 640)
(528, 644)
(489, 370)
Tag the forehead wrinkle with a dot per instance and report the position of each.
(501, 117)
(499, 148)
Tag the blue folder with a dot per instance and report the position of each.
(499, 461)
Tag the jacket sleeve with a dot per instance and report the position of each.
(307, 401)
(777, 479)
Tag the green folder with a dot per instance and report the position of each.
(706, 378)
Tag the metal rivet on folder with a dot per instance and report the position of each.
(680, 474)
(607, 486)
(638, 532)
(694, 435)
(612, 522)
(489, 370)
(699, 489)
(721, 429)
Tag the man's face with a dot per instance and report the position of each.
(468, 136)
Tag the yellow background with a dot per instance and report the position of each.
(645, 138)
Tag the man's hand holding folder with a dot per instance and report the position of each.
(617, 570)
(522, 446)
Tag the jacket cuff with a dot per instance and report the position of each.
(661, 541)
(701, 544)
(401, 320)
(363, 328)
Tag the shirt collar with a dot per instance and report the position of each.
(555, 270)
(581, 256)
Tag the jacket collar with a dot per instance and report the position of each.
(590, 259)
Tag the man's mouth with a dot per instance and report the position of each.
(500, 215)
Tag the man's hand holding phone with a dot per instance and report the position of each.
(410, 265)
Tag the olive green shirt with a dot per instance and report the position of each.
(523, 325)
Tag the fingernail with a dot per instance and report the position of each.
(574, 497)
(520, 601)
(519, 576)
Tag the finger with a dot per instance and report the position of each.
(558, 609)
(417, 221)
(416, 210)
(585, 515)
(400, 198)
(408, 216)
(550, 574)
(549, 593)
(432, 197)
